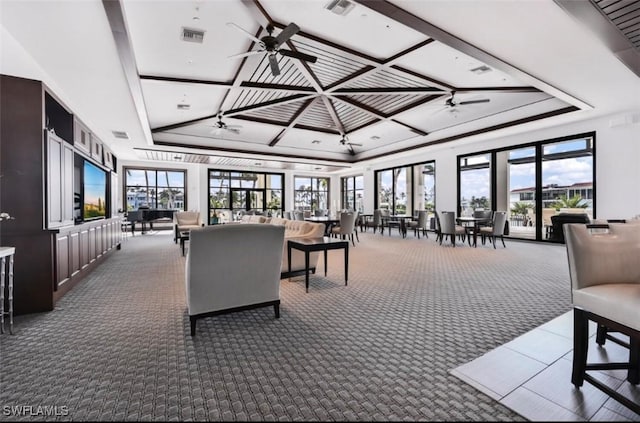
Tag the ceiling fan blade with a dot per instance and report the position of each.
(273, 62)
(287, 33)
(482, 100)
(298, 55)
(247, 33)
(249, 53)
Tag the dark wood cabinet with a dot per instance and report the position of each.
(40, 141)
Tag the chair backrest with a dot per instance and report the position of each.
(448, 222)
(377, 217)
(437, 215)
(384, 212)
(187, 218)
(603, 258)
(287, 215)
(318, 212)
(499, 222)
(230, 266)
(347, 222)
(422, 219)
(298, 215)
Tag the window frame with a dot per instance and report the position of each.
(125, 170)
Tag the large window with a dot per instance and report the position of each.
(234, 193)
(531, 182)
(311, 193)
(407, 189)
(475, 183)
(353, 193)
(155, 188)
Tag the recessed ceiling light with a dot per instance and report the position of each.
(258, 164)
(317, 168)
(316, 142)
(375, 137)
(177, 157)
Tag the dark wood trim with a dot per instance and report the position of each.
(385, 90)
(185, 80)
(408, 50)
(296, 117)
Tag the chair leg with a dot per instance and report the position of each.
(601, 335)
(357, 237)
(192, 320)
(580, 346)
(276, 309)
(494, 242)
(352, 240)
(502, 239)
(633, 375)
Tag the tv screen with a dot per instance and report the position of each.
(94, 192)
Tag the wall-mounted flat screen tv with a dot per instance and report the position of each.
(94, 192)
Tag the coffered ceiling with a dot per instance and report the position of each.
(388, 76)
(386, 80)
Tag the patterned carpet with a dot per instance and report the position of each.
(117, 347)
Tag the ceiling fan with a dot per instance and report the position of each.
(451, 104)
(345, 141)
(271, 45)
(220, 126)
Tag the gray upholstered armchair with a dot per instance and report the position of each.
(233, 268)
(605, 288)
(184, 221)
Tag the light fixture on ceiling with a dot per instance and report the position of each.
(375, 137)
(340, 7)
(316, 142)
(258, 164)
(176, 157)
(317, 168)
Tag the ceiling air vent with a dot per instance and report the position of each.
(340, 7)
(120, 134)
(192, 35)
(183, 106)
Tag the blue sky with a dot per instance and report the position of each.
(95, 181)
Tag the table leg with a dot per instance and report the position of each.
(325, 263)
(306, 270)
(289, 259)
(346, 264)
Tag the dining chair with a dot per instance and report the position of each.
(346, 227)
(375, 222)
(605, 288)
(449, 228)
(496, 229)
(420, 225)
(298, 215)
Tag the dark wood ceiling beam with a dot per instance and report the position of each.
(185, 80)
(261, 120)
(182, 124)
(296, 117)
(317, 129)
(412, 128)
(276, 87)
(406, 51)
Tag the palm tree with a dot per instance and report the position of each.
(521, 208)
(575, 202)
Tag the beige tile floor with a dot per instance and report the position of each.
(532, 376)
